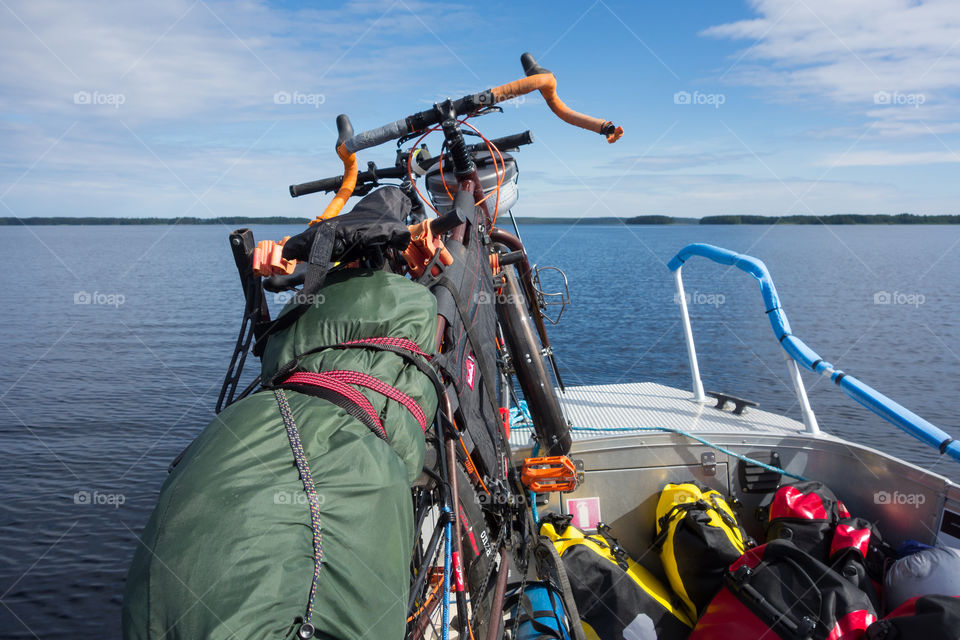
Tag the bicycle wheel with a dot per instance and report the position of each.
(530, 366)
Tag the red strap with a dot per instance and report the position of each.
(339, 381)
(332, 383)
(401, 343)
(368, 381)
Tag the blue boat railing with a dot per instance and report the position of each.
(797, 352)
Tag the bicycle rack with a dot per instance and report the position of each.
(551, 299)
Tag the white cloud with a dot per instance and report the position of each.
(161, 99)
(845, 53)
(890, 158)
(187, 57)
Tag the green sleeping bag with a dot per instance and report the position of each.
(228, 551)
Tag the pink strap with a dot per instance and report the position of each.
(368, 381)
(339, 381)
(332, 383)
(402, 343)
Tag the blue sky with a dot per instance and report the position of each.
(795, 106)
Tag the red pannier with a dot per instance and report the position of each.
(922, 618)
(806, 514)
(858, 553)
(779, 591)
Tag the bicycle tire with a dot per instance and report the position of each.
(530, 367)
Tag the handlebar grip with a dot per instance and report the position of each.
(306, 188)
(450, 220)
(514, 257)
(512, 141)
(372, 138)
(530, 66)
(344, 128)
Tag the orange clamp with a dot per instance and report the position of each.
(423, 246)
(549, 473)
(268, 259)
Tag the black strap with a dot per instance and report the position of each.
(683, 508)
(320, 253)
(943, 445)
(344, 403)
(566, 592)
(473, 339)
(417, 361)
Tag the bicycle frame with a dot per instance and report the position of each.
(470, 237)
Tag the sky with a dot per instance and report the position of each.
(206, 108)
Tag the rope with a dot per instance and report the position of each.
(686, 434)
(520, 415)
(447, 556)
(310, 489)
(533, 495)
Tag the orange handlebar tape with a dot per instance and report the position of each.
(546, 83)
(346, 187)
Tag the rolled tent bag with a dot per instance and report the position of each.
(231, 548)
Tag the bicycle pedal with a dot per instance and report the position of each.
(551, 473)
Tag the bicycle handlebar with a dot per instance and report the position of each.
(538, 78)
(512, 141)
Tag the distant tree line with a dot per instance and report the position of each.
(842, 218)
(227, 220)
(237, 221)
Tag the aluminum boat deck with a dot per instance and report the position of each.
(618, 407)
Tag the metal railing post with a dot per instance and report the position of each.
(698, 395)
(809, 419)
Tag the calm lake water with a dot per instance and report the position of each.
(96, 399)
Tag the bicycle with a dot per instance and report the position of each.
(490, 330)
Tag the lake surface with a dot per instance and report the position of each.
(115, 341)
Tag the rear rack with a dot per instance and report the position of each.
(797, 352)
